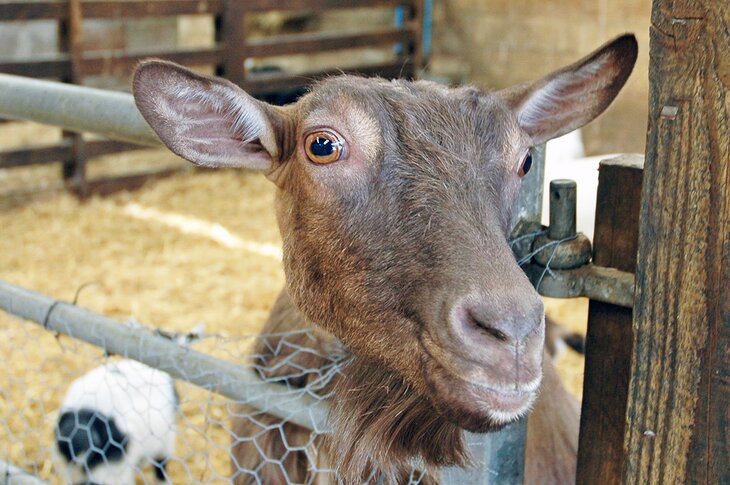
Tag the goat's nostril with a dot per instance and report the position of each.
(484, 326)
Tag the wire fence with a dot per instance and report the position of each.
(81, 412)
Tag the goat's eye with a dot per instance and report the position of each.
(525, 165)
(323, 147)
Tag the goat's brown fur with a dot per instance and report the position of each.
(396, 257)
(380, 422)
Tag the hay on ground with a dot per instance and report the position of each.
(198, 247)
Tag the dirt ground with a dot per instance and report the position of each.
(197, 247)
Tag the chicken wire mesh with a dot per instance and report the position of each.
(257, 414)
(126, 425)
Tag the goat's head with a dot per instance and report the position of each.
(394, 202)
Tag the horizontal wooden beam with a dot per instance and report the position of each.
(156, 8)
(47, 10)
(324, 41)
(109, 185)
(33, 10)
(54, 67)
(318, 5)
(115, 9)
(23, 157)
(98, 148)
(123, 62)
(267, 83)
(106, 62)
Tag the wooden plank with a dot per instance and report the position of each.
(318, 5)
(33, 10)
(31, 155)
(677, 414)
(610, 335)
(115, 9)
(123, 62)
(23, 157)
(106, 62)
(110, 185)
(324, 41)
(54, 67)
(219, 39)
(156, 8)
(267, 83)
(97, 148)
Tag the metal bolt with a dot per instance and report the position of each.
(562, 209)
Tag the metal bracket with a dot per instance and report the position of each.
(556, 258)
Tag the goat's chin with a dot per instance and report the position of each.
(475, 407)
(383, 425)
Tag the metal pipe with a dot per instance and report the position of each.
(14, 475)
(498, 458)
(76, 108)
(609, 285)
(230, 380)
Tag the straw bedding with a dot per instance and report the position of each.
(155, 255)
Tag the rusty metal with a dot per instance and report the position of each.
(595, 282)
(563, 194)
(556, 258)
(571, 252)
(562, 247)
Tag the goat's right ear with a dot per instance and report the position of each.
(571, 97)
(206, 120)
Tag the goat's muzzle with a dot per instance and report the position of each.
(483, 367)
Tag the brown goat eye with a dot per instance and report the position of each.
(323, 147)
(525, 165)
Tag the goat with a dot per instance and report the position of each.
(394, 203)
(114, 419)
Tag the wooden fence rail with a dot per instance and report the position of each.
(232, 46)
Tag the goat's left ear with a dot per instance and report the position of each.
(207, 120)
(571, 97)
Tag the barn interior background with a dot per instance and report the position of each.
(202, 247)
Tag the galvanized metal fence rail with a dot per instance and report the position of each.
(14, 475)
(498, 457)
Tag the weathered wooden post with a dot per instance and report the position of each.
(679, 393)
(231, 31)
(610, 334)
(73, 169)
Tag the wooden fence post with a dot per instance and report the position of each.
(679, 394)
(73, 169)
(415, 49)
(610, 336)
(232, 32)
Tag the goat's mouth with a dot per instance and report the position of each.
(477, 406)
